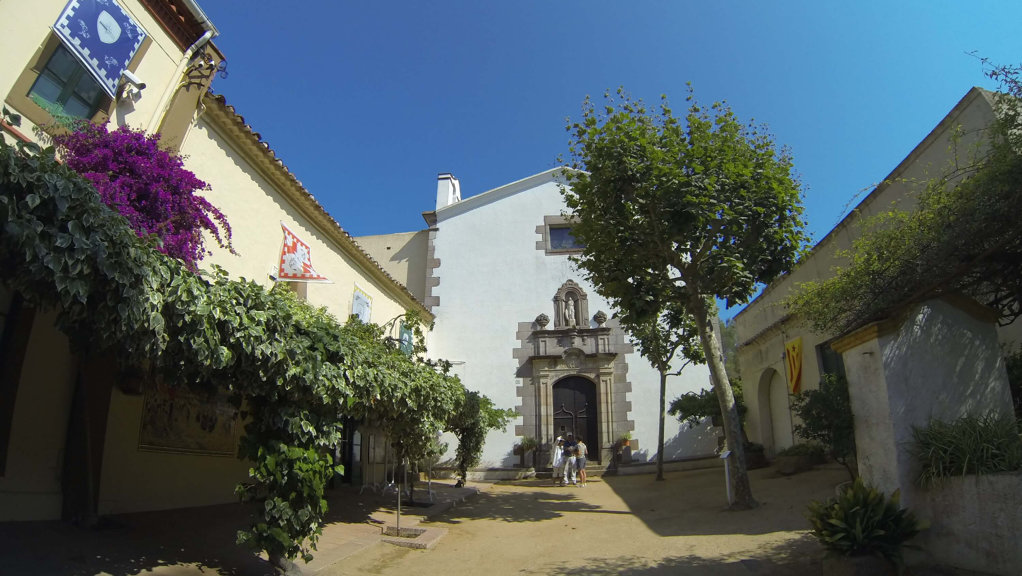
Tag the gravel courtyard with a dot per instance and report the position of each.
(619, 525)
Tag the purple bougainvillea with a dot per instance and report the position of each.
(148, 185)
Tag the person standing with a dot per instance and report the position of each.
(569, 459)
(558, 464)
(581, 451)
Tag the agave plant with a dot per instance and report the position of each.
(863, 521)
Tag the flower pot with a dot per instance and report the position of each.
(857, 566)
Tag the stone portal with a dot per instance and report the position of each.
(574, 376)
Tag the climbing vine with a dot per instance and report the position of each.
(475, 416)
(294, 369)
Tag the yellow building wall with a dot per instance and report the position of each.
(30, 488)
(255, 210)
(134, 479)
(25, 27)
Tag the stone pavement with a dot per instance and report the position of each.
(196, 541)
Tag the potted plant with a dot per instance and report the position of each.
(624, 441)
(863, 530)
(755, 456)
(799, 458)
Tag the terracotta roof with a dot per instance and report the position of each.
(222, 113)
(177, 20)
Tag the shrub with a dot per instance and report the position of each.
(863, 521)
(826, 416)
(814, 452)
(969, 445)
(755, 456)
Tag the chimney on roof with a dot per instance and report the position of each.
(448, 190)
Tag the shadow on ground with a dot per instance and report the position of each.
(783, 500)
(131, 544)
(543, 503)
(794, 558)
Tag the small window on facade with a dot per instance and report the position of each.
(830, 361)
(561, 238)
(66, 87)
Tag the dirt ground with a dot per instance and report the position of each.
(629, 525)
(620, 525)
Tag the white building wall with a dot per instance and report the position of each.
(492, 276)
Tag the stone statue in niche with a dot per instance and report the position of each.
(569, 311)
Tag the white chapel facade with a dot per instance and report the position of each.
(522, 326)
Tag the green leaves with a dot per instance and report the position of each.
(474, 417)
(825, 416)
(294, 368)
(710, 207)
(968, 445)
(962, 236)
(862, 520)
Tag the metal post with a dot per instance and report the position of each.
(726, 457)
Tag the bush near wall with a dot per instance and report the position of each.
(968, 445)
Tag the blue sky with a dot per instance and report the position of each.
(367, 101)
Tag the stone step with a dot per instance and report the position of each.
(592, 470)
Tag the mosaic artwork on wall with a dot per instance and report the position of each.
(178, 419)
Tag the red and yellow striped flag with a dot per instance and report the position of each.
(793, 361)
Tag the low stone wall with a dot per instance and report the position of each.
(975, 522)
(486, 474)
(669, 466)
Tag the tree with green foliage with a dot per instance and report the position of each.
(729, 348)
(826, 417)
(665, 338)
(693, 407)
(474, 416)
(692, 208)
(964, 236)
(293, 369)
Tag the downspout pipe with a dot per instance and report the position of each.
(209, 34)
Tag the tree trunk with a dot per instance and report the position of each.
(660, 436)
(740, 488)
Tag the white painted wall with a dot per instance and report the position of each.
(989, 507)
(492, 277)
(780, 410)
(941, 363)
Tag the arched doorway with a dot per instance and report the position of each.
(774, 411)
(575, 411)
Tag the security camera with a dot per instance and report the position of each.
(134, 80)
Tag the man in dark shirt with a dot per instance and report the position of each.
(569, 459)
